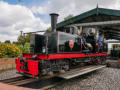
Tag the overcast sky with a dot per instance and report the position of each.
(33, 15)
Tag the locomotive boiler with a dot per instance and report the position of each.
(57, 51)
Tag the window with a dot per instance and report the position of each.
(69, 43)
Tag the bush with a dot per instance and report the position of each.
(26, 48)
(2, 49)
(9, 50)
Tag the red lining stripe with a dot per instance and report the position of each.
(63, 56)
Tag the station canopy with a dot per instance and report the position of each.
(108, 20)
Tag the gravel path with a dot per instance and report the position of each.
(8, 74)
(104, 79)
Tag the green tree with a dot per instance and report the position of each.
(49, 29)
(15, 42)
(21, 39)
(68, 17)
(7, 41)
(26, 48)
(27, 37)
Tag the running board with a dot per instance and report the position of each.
(69, 75)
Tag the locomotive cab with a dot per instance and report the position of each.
(43, 44)
(37, 43)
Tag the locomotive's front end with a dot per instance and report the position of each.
(28, 63)
(27, 66)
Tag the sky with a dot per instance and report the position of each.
(33, 15)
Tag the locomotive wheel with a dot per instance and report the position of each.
(50, 73)
(66, 68)
(101, 61)
(95, 62)
(44, 72)
(62, 71)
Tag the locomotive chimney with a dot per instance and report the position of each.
(54, 17)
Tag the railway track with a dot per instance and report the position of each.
(18, 80)
(46, 82)
(12, 79)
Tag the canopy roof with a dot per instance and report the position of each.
(98, 15)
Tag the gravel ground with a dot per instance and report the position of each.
(103, 79)
(8, 74)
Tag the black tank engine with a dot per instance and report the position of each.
(60, 51)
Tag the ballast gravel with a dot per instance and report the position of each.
(8, 74)
(103, 79)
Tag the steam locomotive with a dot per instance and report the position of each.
(57, 51)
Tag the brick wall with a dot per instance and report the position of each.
(6, 64)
